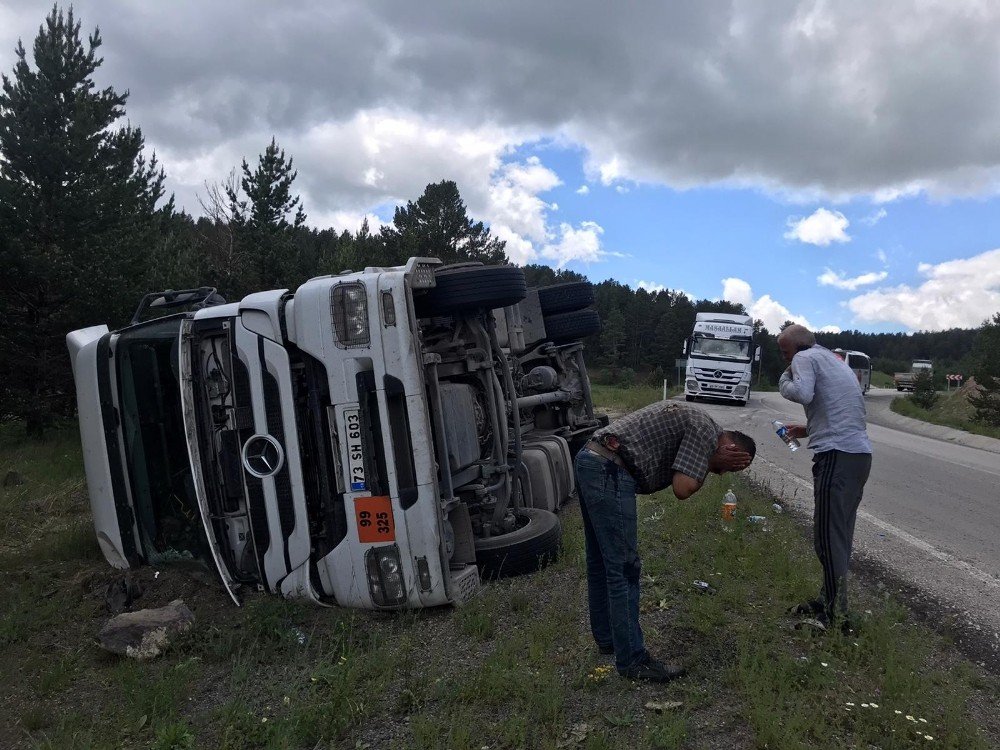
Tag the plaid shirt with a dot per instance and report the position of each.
(662, 438)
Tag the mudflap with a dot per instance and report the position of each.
(464, 584)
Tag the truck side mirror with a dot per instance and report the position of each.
(756, 354)
(684, 348)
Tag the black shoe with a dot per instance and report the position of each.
(652, 670)
(813, 607)
(607, 650)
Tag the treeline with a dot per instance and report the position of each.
(86, 229)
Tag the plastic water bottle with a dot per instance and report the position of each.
(782, 431)
(729, 505)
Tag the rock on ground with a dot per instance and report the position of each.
(146, 633)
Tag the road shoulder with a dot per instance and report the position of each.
(880, 413)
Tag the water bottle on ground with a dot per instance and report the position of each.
(729, 506)
(782, 432)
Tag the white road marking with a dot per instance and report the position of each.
(904, 536)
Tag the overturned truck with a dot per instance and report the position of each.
(379, 439)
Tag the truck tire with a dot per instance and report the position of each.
(525, 550)
(558, 298)
(689, 398)
(562, 328)
(466, 288)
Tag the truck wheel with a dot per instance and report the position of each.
(558, 298)
(466, 288)
(529, 548)
(562, 328)
(688, 398)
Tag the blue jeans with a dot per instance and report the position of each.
(608, 506)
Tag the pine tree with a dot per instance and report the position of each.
(925, 393)
(264, 217)
(986, 355)
(438, 226)
(77, 204)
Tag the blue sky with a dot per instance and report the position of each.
(833, 163)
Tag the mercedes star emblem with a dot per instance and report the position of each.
(717, 374)
(262, 456)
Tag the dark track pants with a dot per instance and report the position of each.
(838, 482)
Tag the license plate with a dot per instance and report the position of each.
(355, 451)
(714, 387)
(374, 518)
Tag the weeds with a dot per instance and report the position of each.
(515, 668)
(950, 411)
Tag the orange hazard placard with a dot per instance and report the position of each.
(374, 519)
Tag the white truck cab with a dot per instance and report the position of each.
(720, 359)
(375, 439)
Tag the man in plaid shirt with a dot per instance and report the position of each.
(665, 444)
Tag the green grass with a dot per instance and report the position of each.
(882, 380)
(621, 399)
(514, 668)
(951, 410)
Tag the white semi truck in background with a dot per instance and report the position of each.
(720, 359)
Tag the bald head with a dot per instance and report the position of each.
(794, 339)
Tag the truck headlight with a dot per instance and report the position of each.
(385, 576)
(692, 385)
(349, 305)
(740, 390)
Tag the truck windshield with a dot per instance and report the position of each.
(728, 348)
(153, 431)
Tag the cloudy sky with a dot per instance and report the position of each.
(837, 163)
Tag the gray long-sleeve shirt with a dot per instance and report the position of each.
(833, 400)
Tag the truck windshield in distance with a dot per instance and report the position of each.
(720, 357)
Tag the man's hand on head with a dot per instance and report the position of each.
(730, 457)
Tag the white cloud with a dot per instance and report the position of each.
(738, 291)
(708, 99)
(882, 257)
(582, 243)
(958, 293)
(875, 217)
(513, 198)
(351, 221)
(821, 228)
(766, 308)
(654, 288)
(583, 190)
(650, 286)
(840, 281)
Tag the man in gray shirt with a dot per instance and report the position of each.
(835, 426)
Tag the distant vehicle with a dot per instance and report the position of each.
(905, 381)
(860, 363)
(721, 354)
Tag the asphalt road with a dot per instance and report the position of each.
(930, 515)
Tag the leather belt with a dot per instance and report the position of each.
(599, 450)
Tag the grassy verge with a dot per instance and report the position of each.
(882, 380)
(953, 410)
(515, 668)
(619, 400)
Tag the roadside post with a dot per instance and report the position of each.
(679, 364)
